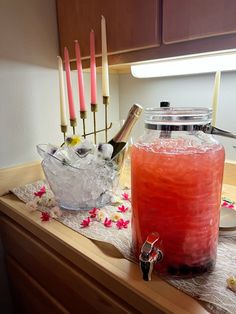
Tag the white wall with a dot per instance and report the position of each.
(29, 93)
(28, 36)
(29, 104)
(28, 33)
(195, 90)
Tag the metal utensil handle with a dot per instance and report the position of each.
(216, 131)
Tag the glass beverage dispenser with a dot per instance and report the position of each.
(176, 173)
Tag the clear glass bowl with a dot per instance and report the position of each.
(81, 187)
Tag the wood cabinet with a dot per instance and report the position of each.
(140, 30)
(43, 281)
(185, 20)
(131, 25)
(29, 296)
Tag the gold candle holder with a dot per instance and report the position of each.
(83, 116)
(95, 131)
(94, 109)
(64, 130)
(73, 123)
(106, 103)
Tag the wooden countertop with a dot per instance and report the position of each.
(103, 262)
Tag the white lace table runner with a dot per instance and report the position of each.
(211, 288)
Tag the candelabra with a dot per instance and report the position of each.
(83, 117)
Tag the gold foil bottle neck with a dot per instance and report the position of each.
(133, 116)
(136, 110)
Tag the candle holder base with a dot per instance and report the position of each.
(106, 100)
(64, 130)
(73, 123)
(94, 107)
(83, 114)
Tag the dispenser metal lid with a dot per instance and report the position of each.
(177, 116)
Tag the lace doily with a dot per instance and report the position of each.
(209, 288)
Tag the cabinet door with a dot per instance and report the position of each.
(29, 296)
(131, 24)
(185, 20)
(68, 285)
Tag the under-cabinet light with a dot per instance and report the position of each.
(184, 65)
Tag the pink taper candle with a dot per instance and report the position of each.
(80, 77)
(69, 86)
(93, 79)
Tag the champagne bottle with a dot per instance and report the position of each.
(120, 139)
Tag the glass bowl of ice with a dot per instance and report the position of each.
(80, 177)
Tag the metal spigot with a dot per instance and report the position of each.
(150, 254)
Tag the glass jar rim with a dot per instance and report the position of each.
(178, 116)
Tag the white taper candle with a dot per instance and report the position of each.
(62, 92)
(215, 99)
